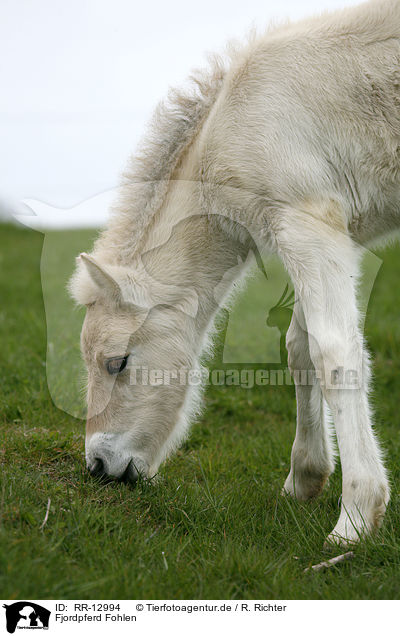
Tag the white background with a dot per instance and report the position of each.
(79, 80)
(313, 618)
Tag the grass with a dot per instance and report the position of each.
(215, 525)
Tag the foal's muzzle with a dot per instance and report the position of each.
(110, 456)
(130, 474)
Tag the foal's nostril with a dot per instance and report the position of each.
(101, 469)
(130, 475)
(97, 470)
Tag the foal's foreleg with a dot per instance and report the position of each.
(312, 458)
(324, 268)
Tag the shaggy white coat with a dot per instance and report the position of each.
(288, 144)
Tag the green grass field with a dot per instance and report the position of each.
(214, 525)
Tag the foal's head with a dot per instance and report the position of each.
(136, 338)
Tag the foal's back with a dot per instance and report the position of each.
(310, 113)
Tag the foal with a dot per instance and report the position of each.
(293, 146)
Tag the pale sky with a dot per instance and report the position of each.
(79, 80)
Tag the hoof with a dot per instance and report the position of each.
(305, 486)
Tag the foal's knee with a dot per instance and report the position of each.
(335, 359)
(297, 348)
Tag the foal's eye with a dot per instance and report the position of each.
(116, 365)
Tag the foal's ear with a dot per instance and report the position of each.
(99, 275)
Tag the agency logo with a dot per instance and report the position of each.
(26, 615)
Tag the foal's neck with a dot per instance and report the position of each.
(190, 248)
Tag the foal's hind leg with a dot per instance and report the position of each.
(312, 458)
(323, 263)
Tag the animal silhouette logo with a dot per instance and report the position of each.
(280, 316)
(26, 615)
